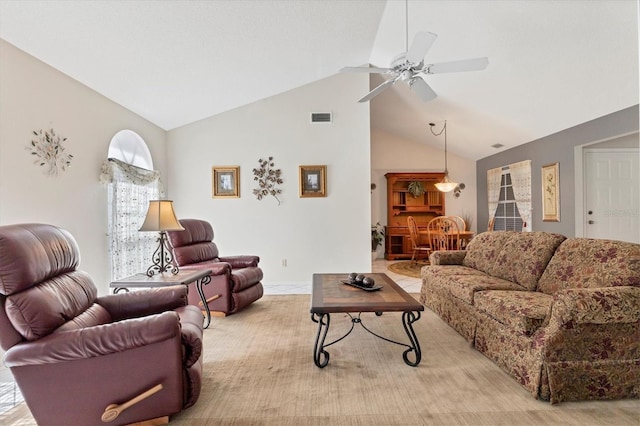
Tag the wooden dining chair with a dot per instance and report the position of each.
(444, 233)
(462, 227)
(414, 234)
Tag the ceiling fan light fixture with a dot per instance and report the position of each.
(410, 68)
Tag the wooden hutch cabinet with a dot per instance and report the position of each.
(401, 204)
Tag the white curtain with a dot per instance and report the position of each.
(493, 190)
(521, 183)
(130, 189)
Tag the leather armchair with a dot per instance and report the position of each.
(235, 280)
(74, 354)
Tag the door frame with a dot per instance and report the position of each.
(580, 181)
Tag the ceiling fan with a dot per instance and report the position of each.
(410, 68)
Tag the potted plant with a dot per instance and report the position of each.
(377, 235)
(416, 189)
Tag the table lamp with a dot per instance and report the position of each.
(161, 218)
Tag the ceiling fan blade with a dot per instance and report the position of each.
(370, 70)
(474, 64)
(420, 45)
(379, 89)
(422, 89)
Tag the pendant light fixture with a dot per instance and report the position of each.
(447, 185)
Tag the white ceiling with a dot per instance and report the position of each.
(552, 65)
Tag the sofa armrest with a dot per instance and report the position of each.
(242, 261)
(95, 341)
(144, 302)
(604, 305)
(448, 257)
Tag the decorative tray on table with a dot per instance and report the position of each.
(360, 286)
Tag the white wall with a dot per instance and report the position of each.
(35, 96)
(329, 234)
(391, 153)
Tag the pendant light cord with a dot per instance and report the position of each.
(444, 129)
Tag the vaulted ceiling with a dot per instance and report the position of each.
(552, 65)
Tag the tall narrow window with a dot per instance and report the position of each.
(509, 194)
(131, 185)
(507, 216)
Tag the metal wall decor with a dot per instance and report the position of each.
(49, 151)
(268, 179)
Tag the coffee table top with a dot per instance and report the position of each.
(329, 294)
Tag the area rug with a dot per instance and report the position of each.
(258, 370)
(408, 268)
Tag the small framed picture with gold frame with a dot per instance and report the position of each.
(226, 181)
(313, 181)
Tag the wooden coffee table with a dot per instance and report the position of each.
(329, 295)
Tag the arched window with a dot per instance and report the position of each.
(128, 147)
(132, 183)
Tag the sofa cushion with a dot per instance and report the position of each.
(520, 257)
(464, 287)
(95, 315)
(483, 251)
(39, 310)
(525, 256)
(592, 263)
(521, 311)
(447, 270)
(33, 253)
(194, 244)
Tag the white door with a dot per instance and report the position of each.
(612, 194)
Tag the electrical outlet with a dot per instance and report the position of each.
(284, 263)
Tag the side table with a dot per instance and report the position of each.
(200, 277)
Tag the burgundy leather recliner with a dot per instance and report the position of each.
(235, 280)
(73, 354)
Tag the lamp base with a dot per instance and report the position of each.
(162, 258)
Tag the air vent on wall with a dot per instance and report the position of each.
(321, 117)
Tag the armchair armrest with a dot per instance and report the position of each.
(448, 257)
(242, 261)
(620, 304)
(217, 267)
(95, 341)
(144, 302)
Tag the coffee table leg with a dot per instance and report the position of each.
(408, 318)
(199, 283)
(320, 356)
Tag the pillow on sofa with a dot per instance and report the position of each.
(483, 251)
(520, 257)
(525, 256)
(592, 263)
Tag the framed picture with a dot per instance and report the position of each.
(551, 192)
(225, 181)
(313, 181)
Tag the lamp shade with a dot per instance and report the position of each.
(161, 217)
(446, 185)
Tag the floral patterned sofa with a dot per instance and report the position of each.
(562, 316)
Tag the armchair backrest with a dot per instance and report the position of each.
(194, 244)
(40, 286)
